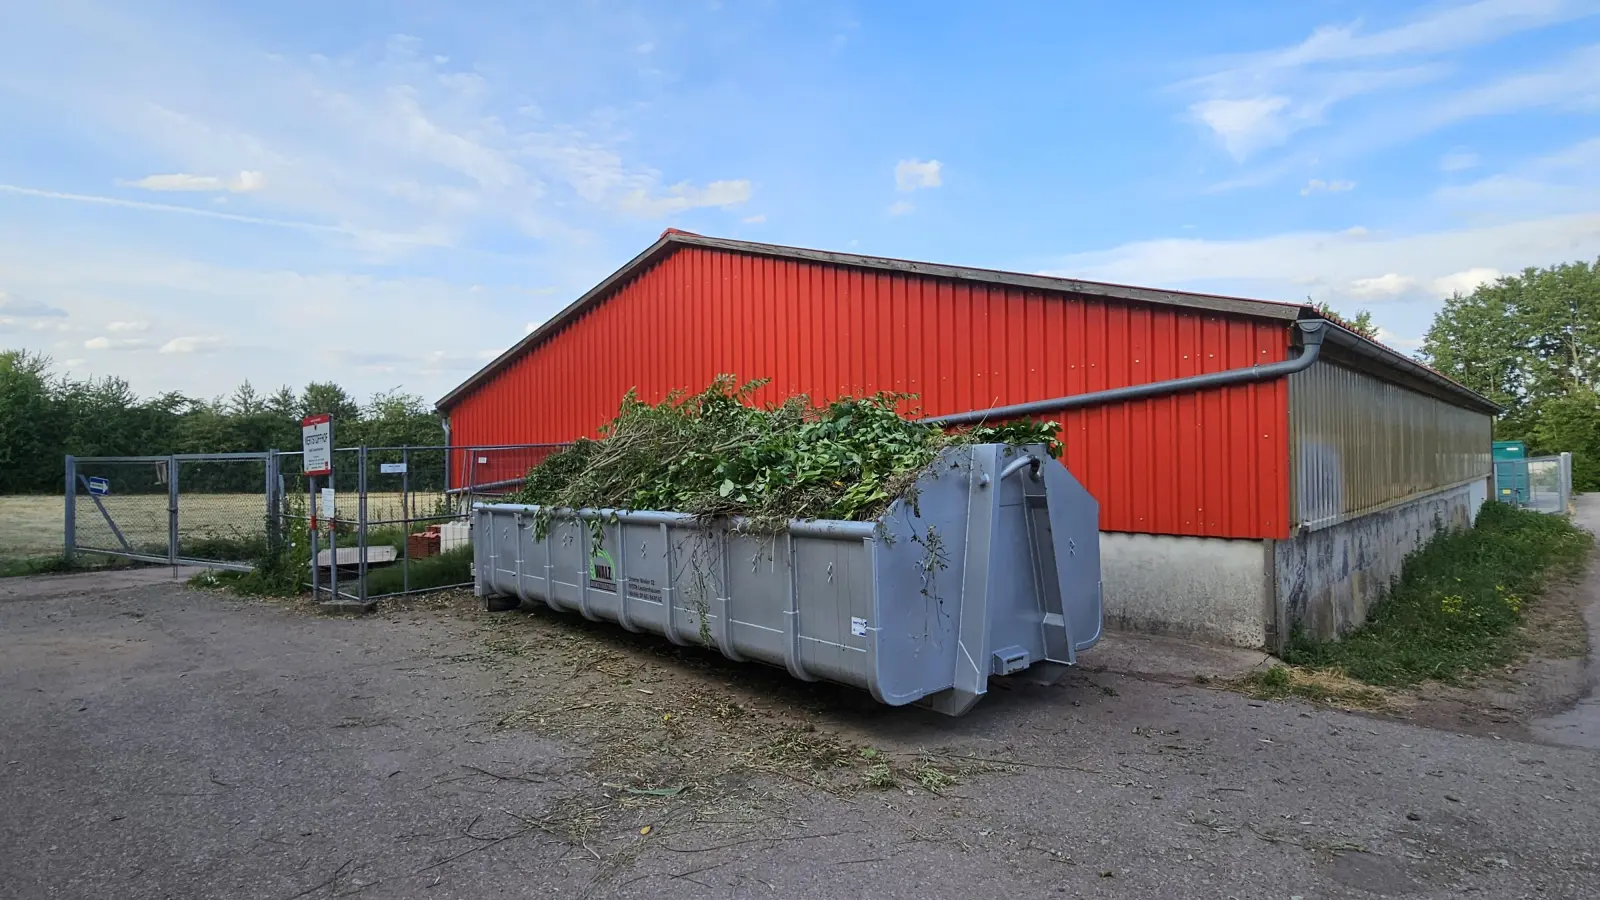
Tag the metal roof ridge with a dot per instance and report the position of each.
(673, 237)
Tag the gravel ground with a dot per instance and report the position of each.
(159, 742)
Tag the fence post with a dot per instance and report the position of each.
(70, 523)
(361, 523)
(405, 513)
(273, 523)
(1565, 471)
(172, 513)
(311, 525)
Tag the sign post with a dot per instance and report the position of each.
(316, 442)
(316, 439)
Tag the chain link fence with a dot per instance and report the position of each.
(1549, 484)
(397, 519)
(388, 521)
(207, 509)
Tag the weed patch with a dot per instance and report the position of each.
(447, 569)
(58, 565)
(1458, 605)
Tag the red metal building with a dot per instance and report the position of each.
(1214, 462)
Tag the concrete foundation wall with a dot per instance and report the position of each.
(1328, 578)
(1209, 589)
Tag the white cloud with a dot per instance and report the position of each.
(1458, 161)
(684, 196)
(1244, 125)
(1464, 282)
(1356, 231)
(531, 327)
(11, 305)
(914, 174)
(96, 200)
(74, 362)
(1572, 84)
(192, 344)
(1382, 286)
(1251, 102)
(1567, 180)
(388, 148)
(243, 183)
(105, 343)
(755, 219)
(901, 207)
(1442, 28)
(1318, 186)
(1329, 264)
(1399, 342)
(128, 326)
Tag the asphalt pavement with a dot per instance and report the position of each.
(157, 742)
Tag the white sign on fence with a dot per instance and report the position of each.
(328, 508)
(316, 439)
(392, 468)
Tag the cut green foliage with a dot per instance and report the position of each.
(714, 454)
(1458, 604)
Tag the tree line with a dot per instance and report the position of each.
(1531, 342)
(44, 416)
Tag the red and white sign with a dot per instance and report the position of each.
(316, 439)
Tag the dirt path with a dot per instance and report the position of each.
(1580, 725)
(156, 742)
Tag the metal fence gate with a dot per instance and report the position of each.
(210, 509)
(389, 521)
(398, 520)
(1540, 483)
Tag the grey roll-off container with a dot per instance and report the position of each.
(990, 565)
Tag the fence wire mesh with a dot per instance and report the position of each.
(122, 507)
(190, 508)
(222, 509)
(402, 515)
(388, 520)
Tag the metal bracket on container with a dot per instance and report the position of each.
(623, 617)
(1010, 660)
(791, 647)
(724, 620)
(669, 593)
(522, 586)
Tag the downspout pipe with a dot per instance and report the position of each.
(1311, 334)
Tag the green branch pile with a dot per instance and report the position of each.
(715, 454)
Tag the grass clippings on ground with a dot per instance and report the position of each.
(1317, 685)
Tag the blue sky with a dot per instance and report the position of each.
(388, 194)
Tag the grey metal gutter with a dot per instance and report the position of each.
(1311, 334)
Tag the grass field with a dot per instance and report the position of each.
(31, 526)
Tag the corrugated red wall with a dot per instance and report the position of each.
(1212, 463)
